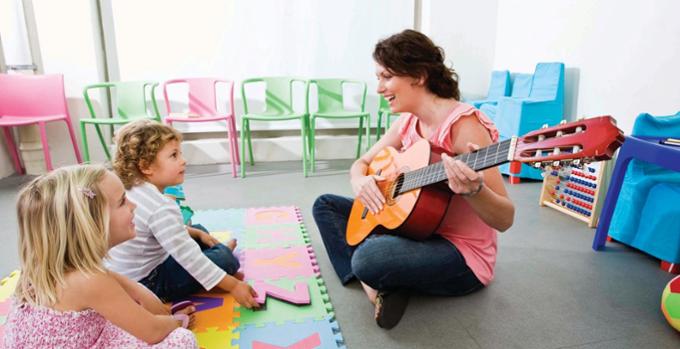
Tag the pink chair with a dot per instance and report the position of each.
(33, 99)
(203, 108)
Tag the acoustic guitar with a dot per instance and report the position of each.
(414, 190)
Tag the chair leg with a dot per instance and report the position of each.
(361, 131)
(243, 148)
(231, 137)
(312, 143)
(83, 137)
(72, 134)
(368, 132)
(101, 139)
(233, 132)
(250, 144)
(378, 127)
(304, 136)
(13, 150)
(45, 146)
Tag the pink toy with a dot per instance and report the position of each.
(299, 296)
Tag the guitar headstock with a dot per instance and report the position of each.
(575, 142)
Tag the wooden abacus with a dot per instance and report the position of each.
(577, 191)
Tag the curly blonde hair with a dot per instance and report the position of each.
(63, 227)
(138, 143)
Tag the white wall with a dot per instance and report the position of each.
(625, 53)
(466, 30)
(241, 39)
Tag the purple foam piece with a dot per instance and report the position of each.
(299, 296)
(262, 264)
(205, 303)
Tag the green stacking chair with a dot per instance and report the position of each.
(383, 111)
(278, 107)
(331, 106)
(130, 103)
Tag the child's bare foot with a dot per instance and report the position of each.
(231, 244)
(239, 275)
(189, 311)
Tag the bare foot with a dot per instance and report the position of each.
(231, 244)
(370, 292)
(239, 275)
(190, 312)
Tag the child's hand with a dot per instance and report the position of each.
(244, 294)
(208, 239)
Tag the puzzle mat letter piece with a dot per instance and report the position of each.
(272, 236)
(310, 342)
(279, 263)
(277, 311)
(289, 334)
(218, 339)
(232, 220)
(214, 310)
(272, 215)
(299, 296)
(8, 285)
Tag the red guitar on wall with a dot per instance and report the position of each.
(415, 206)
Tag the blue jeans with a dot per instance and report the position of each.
(388, 262)
(171, 282)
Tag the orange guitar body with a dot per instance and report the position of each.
(415, 214)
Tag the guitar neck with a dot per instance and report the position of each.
(493, 155)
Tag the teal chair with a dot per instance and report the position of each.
(498, 87)
(130, 103)
(384, 111)
(278, 107)
(331, 106)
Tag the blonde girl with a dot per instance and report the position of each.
(68, 219)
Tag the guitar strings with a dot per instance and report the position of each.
(435, 173)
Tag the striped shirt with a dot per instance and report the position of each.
(160, 233)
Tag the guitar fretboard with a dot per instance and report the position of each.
(493, 155)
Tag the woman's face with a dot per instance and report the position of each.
(399, 91)
(121, 210)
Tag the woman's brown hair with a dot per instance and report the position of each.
(411, 53)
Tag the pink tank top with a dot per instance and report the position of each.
(475, 240)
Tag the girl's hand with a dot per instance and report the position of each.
(208, 239)
(462, 179)
(244, 294)
(367, 191)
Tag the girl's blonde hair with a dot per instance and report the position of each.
(138, 144)
(63, 227)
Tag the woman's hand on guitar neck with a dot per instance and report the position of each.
(462, 179)
(366, 189)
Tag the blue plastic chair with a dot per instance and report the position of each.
(515, 116)
(645, 194)
(498, 87)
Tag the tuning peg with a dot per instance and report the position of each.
(563, 122)
(576, 162)
(544, 126)
(538, 164)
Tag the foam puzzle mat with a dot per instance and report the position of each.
(278, 261)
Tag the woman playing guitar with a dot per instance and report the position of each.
(459, 257)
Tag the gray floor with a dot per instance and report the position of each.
(550, 291)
